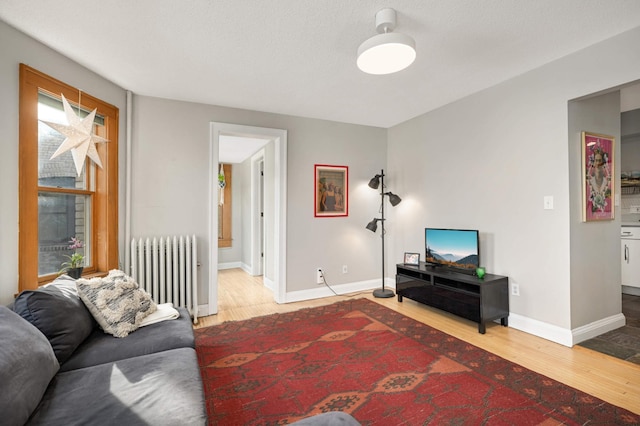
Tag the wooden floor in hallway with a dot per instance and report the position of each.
(241, 296)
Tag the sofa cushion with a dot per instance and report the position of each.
(57, 311)
(116, 302)
(100, 348)
(27, 364)
(157, 389)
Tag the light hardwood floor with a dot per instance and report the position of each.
(615, 381)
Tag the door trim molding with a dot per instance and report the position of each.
(279, 137)
(257, 222)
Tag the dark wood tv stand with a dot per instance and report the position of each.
(479, 300)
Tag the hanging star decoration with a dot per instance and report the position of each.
(80, 139)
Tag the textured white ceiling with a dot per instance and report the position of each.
(298, 56)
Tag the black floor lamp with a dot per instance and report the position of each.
(375, 182)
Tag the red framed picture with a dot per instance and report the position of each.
(331, 184)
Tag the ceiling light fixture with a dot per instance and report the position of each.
(387, 52)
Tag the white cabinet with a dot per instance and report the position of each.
(630, 253)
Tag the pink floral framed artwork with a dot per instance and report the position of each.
(598, 171)
(331, 191)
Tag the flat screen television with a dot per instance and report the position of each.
(453, 248)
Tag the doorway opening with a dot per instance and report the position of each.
(267, 222)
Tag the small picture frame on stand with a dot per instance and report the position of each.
(412, 259)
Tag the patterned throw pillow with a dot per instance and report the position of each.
(116, 302)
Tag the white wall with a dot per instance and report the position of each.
(595, 246)
(16, 48)
(170, 185)
(488, 160)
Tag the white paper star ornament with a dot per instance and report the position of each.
(80, 139)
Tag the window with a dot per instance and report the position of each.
(224, 209)
(55, 203)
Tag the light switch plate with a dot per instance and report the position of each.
(548, 202)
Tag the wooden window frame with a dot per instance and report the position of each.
(225, 219)
(104, 212)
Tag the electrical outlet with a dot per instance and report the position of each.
(319, 277)
(344, 269)
(515, 289)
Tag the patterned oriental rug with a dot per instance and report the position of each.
(379, 366)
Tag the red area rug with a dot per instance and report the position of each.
(379, 366)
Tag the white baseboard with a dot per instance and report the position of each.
(233, 265)
(541, 329)
(203, 310)
(268, 283)
(565, 336)
(341, 289)
(634, 291)
(298, 296)
(320, 292)
(229, 265)
(597, 328)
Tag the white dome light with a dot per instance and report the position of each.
(387, 52)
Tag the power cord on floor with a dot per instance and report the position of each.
(324, 280)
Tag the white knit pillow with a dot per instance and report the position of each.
(116, 302)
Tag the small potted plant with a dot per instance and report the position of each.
(75, 265)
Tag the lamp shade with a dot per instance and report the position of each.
(386, 53)
(373, 225)
(394, 199)
(374, 182)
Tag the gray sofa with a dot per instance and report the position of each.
(57, 367)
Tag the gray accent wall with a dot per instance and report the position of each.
(487, 161)
(170, 163)
(595, 246)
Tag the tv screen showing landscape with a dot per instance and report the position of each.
(456, 248)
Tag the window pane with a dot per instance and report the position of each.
(45, 99)
(60, 217)
(59, 172)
